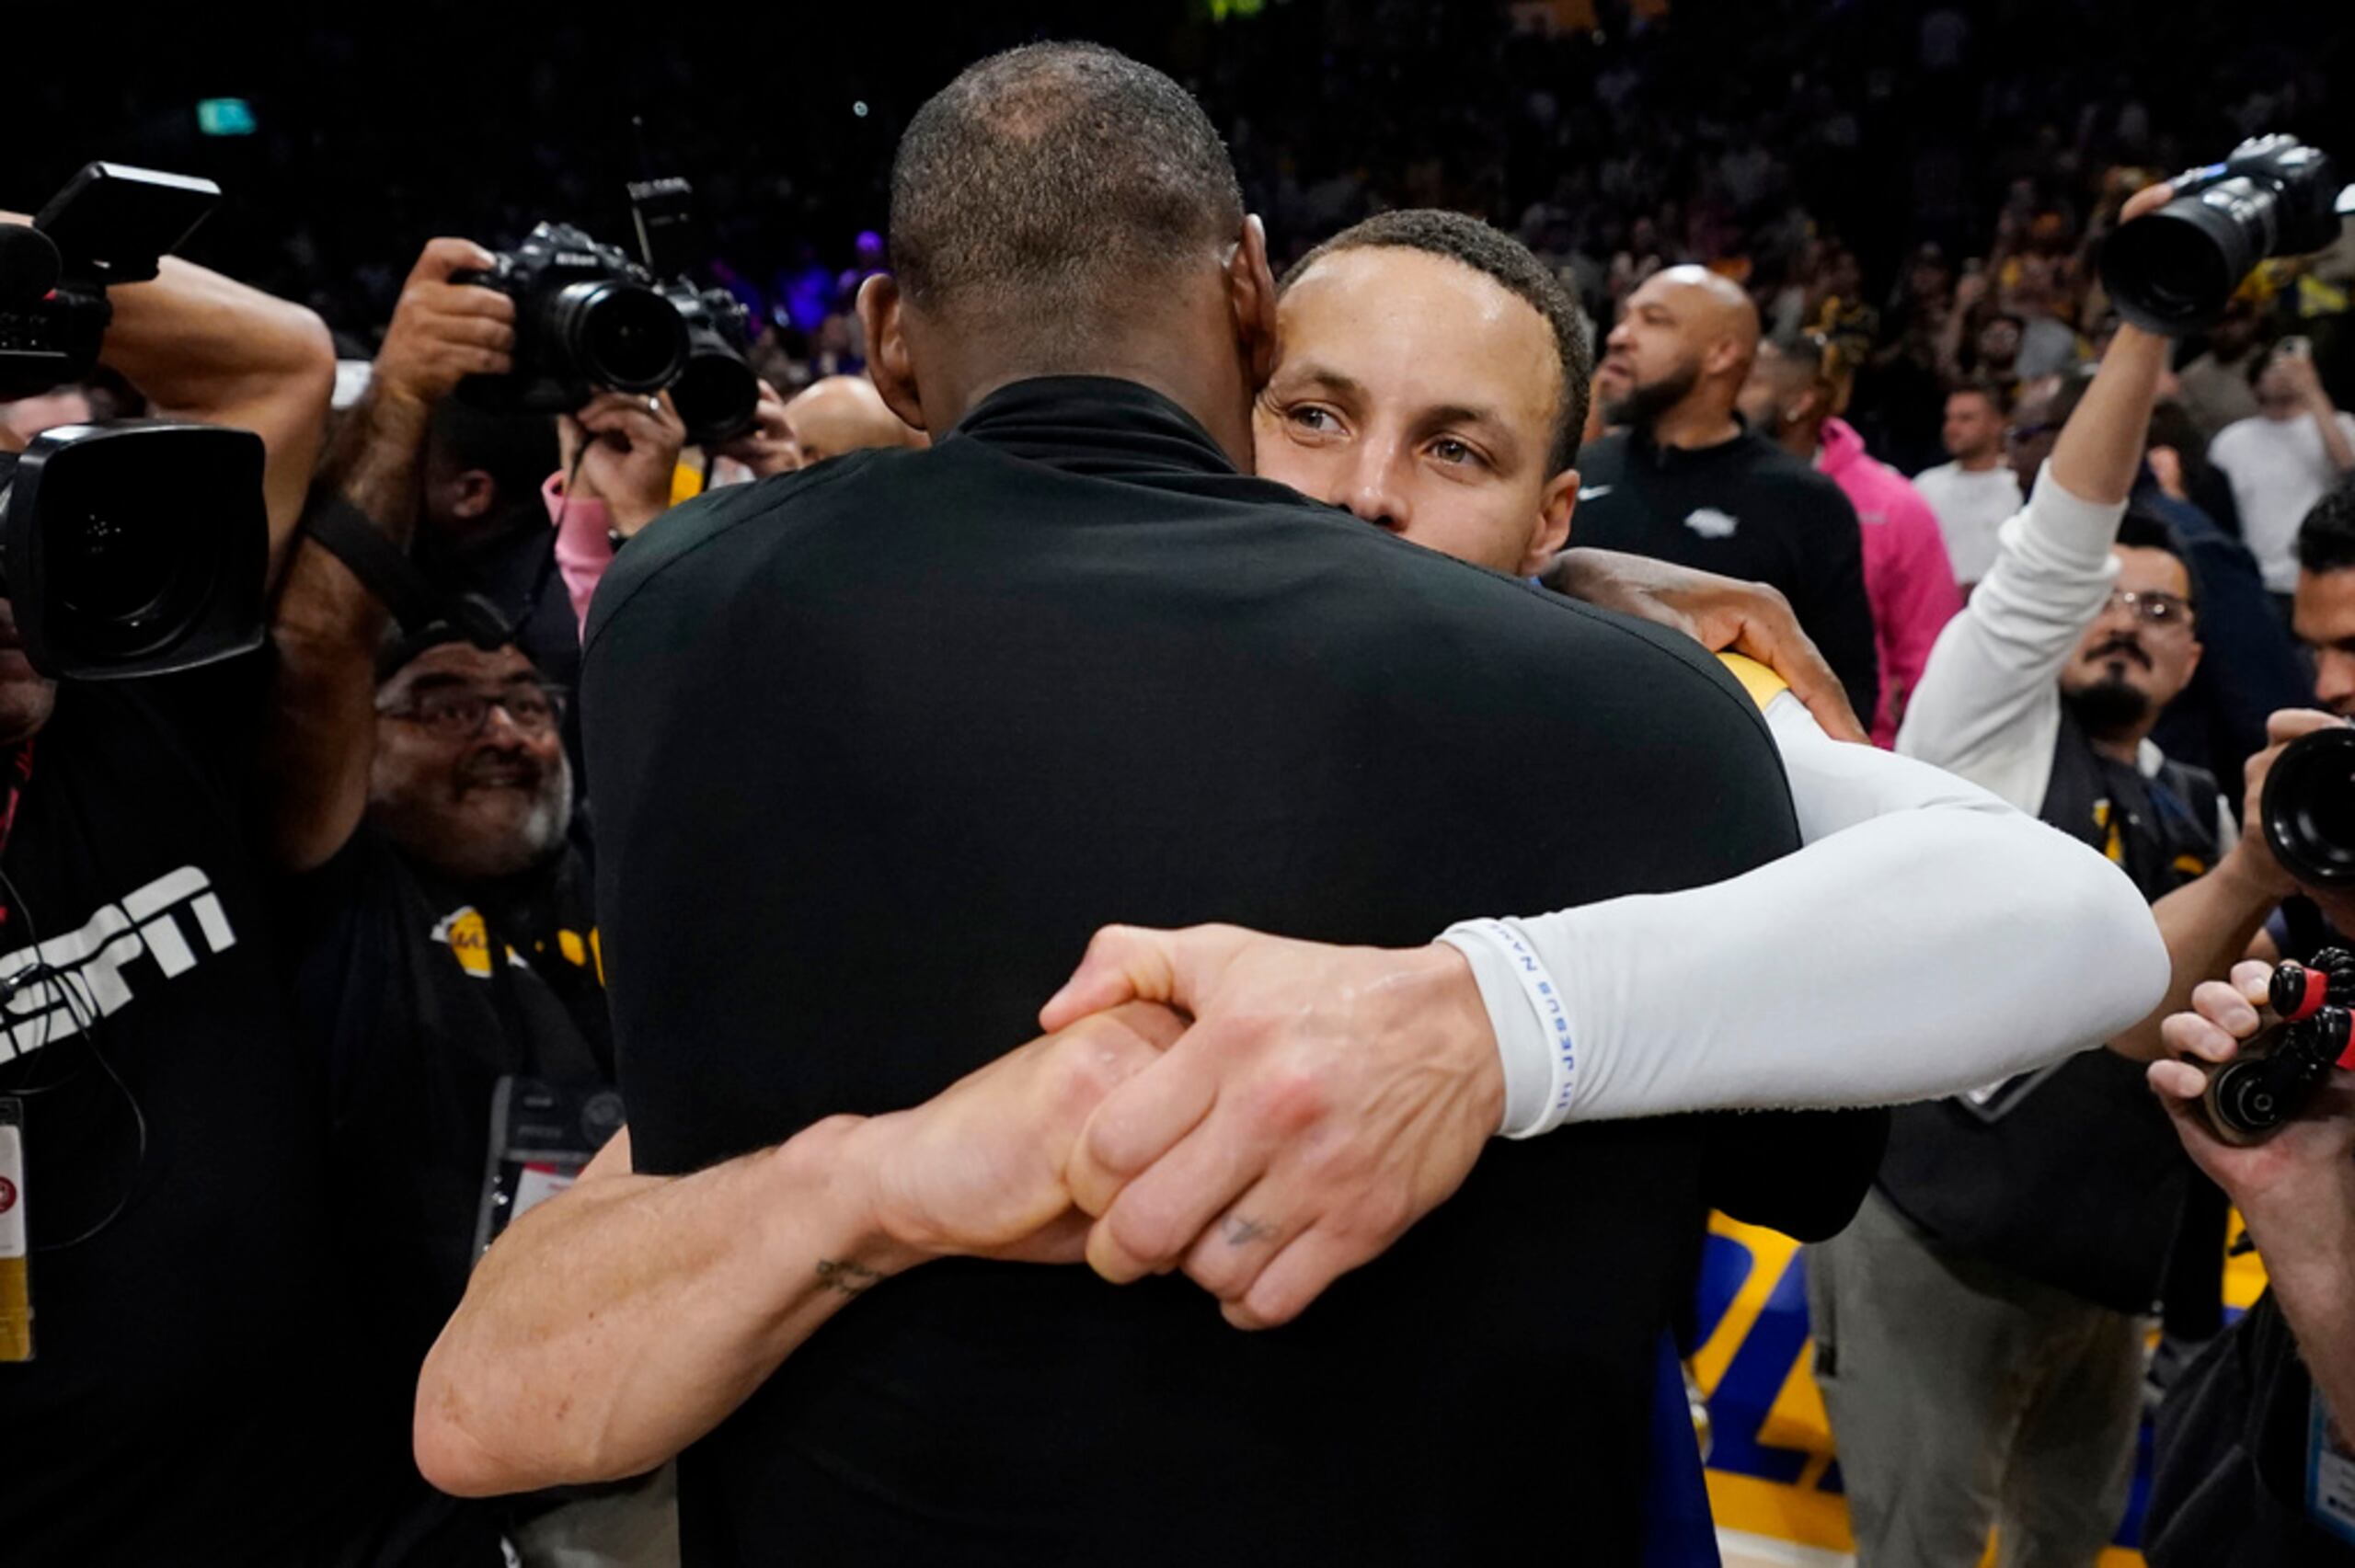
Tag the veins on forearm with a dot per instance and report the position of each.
(374, 461)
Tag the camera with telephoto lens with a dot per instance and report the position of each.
(2175, 271)
(717, 394)
(586, 317)
(2308, 808)
(137, 546)
(2273, 1076)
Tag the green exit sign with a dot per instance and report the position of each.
(224, 116)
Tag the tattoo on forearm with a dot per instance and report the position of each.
(1242, 1233)
(845, 1278)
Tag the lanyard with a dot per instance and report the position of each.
(15, 772)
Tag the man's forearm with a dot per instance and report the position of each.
(616, 1324)
(2310, 1266)
(320, 739)
(2100, 449)
(1718, 997)
(2208, 925)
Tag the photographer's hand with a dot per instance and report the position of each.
(2210, 921)
(320, 741)
(627, 449)
(767, 448)
(2296, 1190)
(441, 331)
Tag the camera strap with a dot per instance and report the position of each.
(384, 570)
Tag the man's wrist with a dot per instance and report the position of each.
(834, 1170)
(1460, 1016)
(392, 408)
(2253, 878)
(631, 514)
(2305, 1233)
(1523, 1017)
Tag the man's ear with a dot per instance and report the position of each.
(473, 492)
(888, 364)
(1251, 296)
(1555, 504)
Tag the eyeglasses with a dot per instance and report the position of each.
(456, 713)
(2155, 610)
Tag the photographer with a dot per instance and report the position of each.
(174, 1159)
(449, 948)
(2251, 1469)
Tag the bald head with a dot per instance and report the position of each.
(1715, 303)
(844, 413)
(1681, 352)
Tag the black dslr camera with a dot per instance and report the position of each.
(137, 546)
(2308, 808)
(586, 317)
(589, 317)
(717, 394)
(2174, 270)
(2274, 1075)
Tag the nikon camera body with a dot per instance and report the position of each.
(587, 317)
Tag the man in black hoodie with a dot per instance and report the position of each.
(1681, 480)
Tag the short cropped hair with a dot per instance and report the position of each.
(1488, 250)
(1053, 184)
(2144, 529)
(2327, 537)
(1979, 386)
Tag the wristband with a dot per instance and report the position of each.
(1539, 1052)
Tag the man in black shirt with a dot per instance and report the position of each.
(448, 947)
(922, 722)
(1685, 482)
(447, 942)
(179, 1404)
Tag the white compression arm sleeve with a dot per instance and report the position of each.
(1926, 940)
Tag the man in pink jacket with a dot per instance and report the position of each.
(1794, 387)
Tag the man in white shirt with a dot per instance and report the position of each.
(2280, 461)
(1998, 1277)
(1975, 494)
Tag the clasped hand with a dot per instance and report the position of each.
(1320, 1101)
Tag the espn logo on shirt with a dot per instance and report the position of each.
(176, 920)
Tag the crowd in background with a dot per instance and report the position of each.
(1906, 174)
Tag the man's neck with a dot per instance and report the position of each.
(1163, 350)
(1979, 462)
(1694, 426)
(1228, 422)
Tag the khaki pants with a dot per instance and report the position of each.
(1963, 1397)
